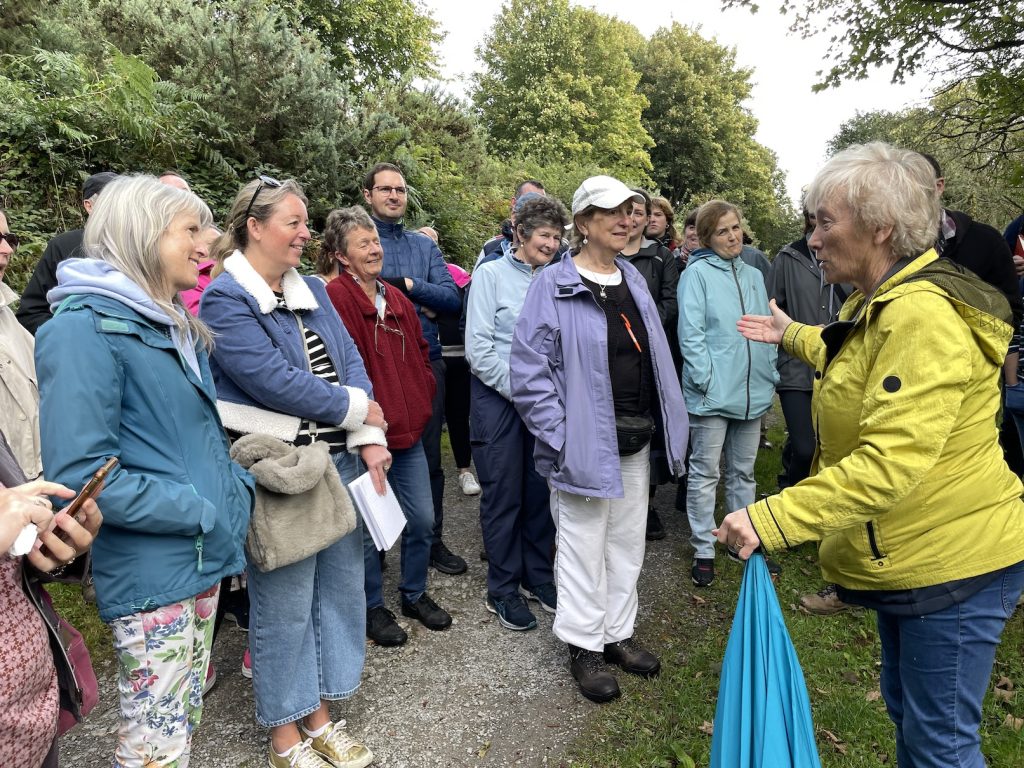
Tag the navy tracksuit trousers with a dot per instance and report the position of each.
(515, 516)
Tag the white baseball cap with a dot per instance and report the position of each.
(603, 192)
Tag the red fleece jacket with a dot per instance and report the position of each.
(397, 361)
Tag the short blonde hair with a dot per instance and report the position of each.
(884, 186)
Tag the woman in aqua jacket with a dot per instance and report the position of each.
(728, 382)
(124, 372)
(917, 513)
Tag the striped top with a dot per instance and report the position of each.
(321, 365)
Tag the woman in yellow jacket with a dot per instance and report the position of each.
(918, 516)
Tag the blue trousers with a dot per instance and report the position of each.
(936, 669)
(410, 480)
(515, 515)
(307, 626)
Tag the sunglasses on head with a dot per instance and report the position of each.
(12, 239)
(265, 181)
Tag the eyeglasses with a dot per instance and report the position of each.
(388, 190)
(12, 240)
(265, 181)
(380, 324)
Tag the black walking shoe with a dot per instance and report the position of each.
(445, 561)
(595, 681)
(703, 571)
(427, 612)
(628, 655)
(382, 628)
(655, 530)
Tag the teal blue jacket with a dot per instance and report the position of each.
(723, 373)
(176, 508)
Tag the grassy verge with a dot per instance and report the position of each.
(667, 722)
(67, 599)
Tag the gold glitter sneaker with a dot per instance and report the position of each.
(340, 750)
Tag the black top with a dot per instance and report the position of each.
(631, 371)
(34, 309)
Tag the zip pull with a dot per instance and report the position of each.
(199, 551)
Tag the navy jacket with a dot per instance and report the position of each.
(416, 256)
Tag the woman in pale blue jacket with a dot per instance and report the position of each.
(515, 517)
(728, 382)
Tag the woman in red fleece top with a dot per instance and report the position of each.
(387, 332)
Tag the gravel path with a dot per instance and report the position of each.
(474, 695)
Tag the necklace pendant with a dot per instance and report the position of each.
(603, 294)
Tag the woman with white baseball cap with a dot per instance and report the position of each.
(591, 375)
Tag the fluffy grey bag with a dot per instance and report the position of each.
(301, 505)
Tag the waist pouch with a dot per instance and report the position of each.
(633, 433)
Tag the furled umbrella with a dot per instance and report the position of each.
(763, 716)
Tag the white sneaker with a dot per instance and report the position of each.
(468, 483)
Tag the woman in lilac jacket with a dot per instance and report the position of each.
(589, 359)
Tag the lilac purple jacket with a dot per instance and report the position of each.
(561, 386)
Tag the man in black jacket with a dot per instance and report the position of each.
(34, 309)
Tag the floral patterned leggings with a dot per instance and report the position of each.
(162, 656)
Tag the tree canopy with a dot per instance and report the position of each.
(558, 84)
(319, 90)
(971, 48)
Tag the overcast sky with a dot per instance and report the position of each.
(793, 121)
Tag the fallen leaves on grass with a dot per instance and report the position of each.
(706, 728)
(1016, 723)
(1004, 689)
(838, 744)
(873, 695)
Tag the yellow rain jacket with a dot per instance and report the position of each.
(908, 487)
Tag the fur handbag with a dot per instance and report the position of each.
(301, 505)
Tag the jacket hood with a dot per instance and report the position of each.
(985, 310)
(77, 277)
(93, 276)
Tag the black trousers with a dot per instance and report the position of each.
(456, 408)
(798, 451)
(432, 447)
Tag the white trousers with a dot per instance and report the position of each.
(601, 545)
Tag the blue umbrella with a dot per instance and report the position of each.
(763, 718)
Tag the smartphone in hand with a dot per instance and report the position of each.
(91, 488)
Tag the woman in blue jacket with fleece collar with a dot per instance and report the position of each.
(124, 372)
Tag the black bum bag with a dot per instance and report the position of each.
(633, 433)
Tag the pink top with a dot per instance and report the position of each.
(192, 295)
(28, 679)
(459, 275)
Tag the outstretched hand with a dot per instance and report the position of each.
(766, 328)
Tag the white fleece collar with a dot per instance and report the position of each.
(297, 295)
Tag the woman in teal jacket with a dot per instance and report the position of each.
(124, 372)
(728, 382)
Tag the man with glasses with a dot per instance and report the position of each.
(414, 265)
(34, 309)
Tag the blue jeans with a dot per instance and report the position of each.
(935, 670)
(1013, 402)
(307, 626)
(709, 436)
(410, 480)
